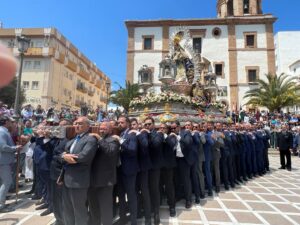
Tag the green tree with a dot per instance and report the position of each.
(8, 94)
(123, 96)
(275, 93)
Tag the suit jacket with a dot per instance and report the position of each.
(47, 154)
(144, 151)
(56, 164)
(129, 154)
(186, 144)
(156, 149)
(104, 166)
(7, 147)
(78, 175)
(208, 146)
(285, 141)
(169, 152)
(199, 140)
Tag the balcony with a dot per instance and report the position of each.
(98, 84)
(34, 52)
(84, 74)
(92, 79)
(78, 103)
(71, 65)
(80, 87)
(60, 57)
(91, 93)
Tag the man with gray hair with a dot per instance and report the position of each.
(103, 177)
(78, 156)
(7, 158)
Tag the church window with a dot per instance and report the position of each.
(230, 8)
(148, 42)
(252, 74)
(197, 44)
(250, 39)
(219, 69)
(246, 7)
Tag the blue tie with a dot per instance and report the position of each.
(74, 143)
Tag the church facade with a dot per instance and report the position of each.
(237, 46)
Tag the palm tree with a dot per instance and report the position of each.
(275, 93)
(123, 96)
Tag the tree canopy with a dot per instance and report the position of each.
(275, 93)
(8, 93)
(123, 96)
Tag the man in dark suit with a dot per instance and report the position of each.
(128, 170)
(55, 169)
(78, 157)
(143, 137)
(103, 177)
(184, 154)
(285, 146)
(156, 155)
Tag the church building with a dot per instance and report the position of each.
(237, 46)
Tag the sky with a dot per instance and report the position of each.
(97, 27)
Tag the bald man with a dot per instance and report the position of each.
(103, 177)
(78, 156)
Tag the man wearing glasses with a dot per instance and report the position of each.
(184, 158)
(143, 137)
(78, 160)
(169, 163)
(128, 170)
(156, 155)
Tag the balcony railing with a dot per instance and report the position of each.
(91, 93)
(71, 65)
(84, 74)
(80, 87)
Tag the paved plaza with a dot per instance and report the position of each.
(272, 199)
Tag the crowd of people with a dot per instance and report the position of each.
(129, 166)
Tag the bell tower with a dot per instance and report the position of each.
(229, 8)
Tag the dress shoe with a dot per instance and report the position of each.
(156, 219)
(172, 212)
(282, 168)
(226, 187)
(6, 210)
(217, 189)
(35, 197)
(44, 206)
(289, 169)
(232, 185)
(46, 212)
(40, 202)
(188, 204)
(197, 200)
(202, 196)
(210, 193)
(148, 222)
(245, 179)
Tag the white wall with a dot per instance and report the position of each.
(261, 35)
(287, 47)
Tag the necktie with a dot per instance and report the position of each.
(74, 143)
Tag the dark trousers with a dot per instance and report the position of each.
(226, 169)
(195, 179)
(254, 161)
(100, 201)
(184, 170)
(46, 183)
(216, 169)
(201, 177)
(238, 170)
(56, 199)
(127, 185)
(143, 187)
(75, 211)
(38, 185)
(208, 175)
(167, 180)
(243, 162)
(266, 158)
(154, 177)
(285, 154)
(249, 164)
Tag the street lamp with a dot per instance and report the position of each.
(23, 45)
(107, 96)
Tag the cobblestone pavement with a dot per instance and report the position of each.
(272, 199)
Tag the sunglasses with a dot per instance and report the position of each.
(173, 128)
(148, 124)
